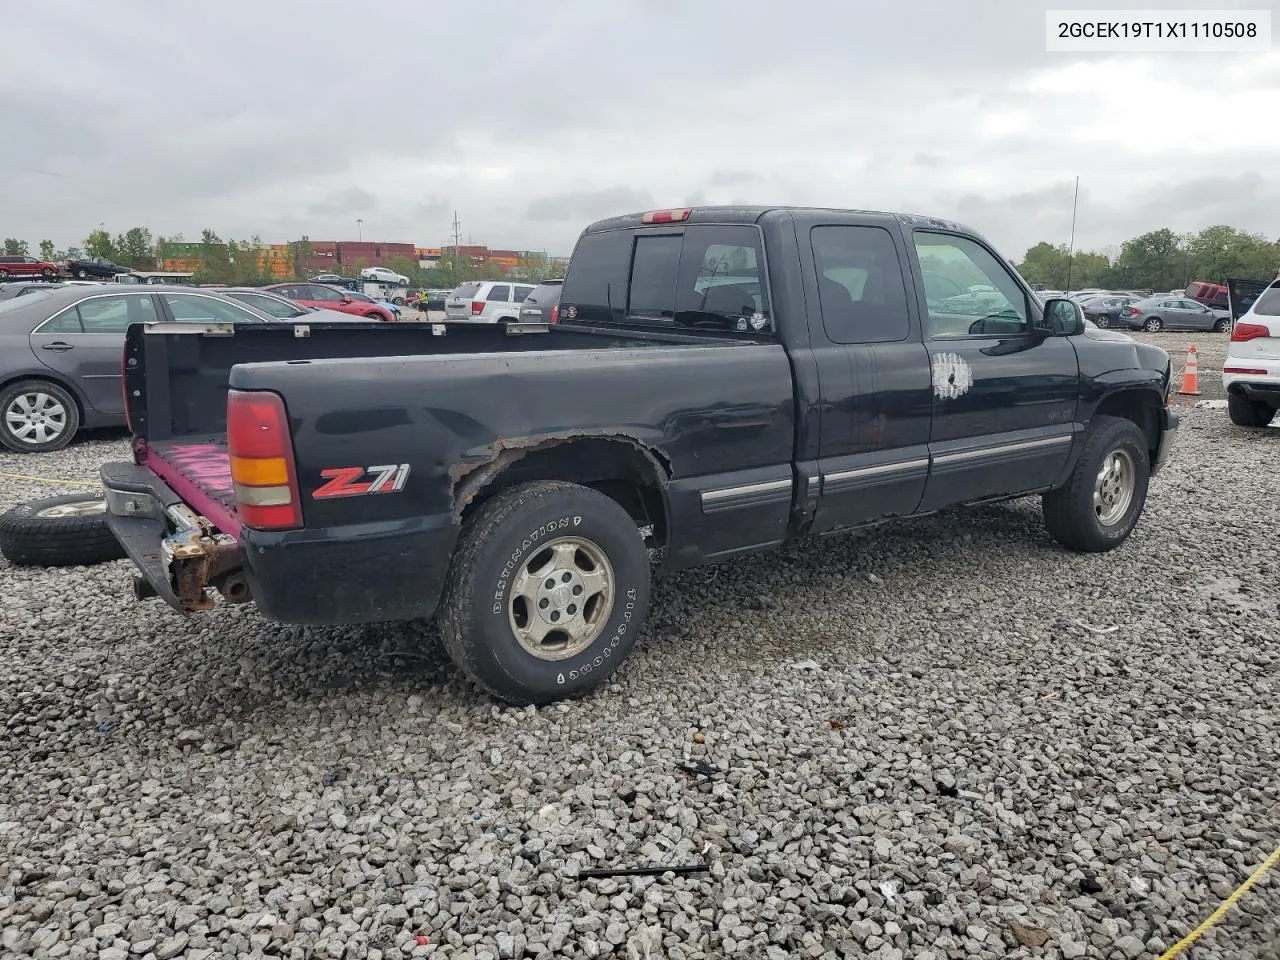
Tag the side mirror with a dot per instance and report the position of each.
(1063, 317)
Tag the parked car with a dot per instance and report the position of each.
(332, 278)
(11, 266)
(1251, 372)
(519, 482)
(95, 268)
(542, 305)
(325, 297)
(1213, 295)
(282, 308)
(1105, 310)
(486, 301)
(389, 305)
(1172, 313)
(60, 355)
(384, 275)
(20, 289)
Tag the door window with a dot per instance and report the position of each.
(187, 308)
(860, 284)
(316, 292)
(270, 305)
(988, 301)
(499, 293)
(104, 315)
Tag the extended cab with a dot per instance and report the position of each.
(720, 380)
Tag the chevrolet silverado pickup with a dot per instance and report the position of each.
(719, 381)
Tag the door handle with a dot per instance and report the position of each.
(57, 346)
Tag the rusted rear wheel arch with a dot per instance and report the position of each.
(623, 469)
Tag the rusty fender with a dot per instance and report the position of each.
(469, 479)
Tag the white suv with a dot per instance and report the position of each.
(1251, 373)
(487, 301)
(385, 275)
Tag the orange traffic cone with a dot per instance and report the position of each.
(1191, 374)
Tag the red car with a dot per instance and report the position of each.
(11, 266)
(330, 298)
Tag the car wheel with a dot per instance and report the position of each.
(1153, 325)
(1249, 413)
(4, 274)
(1220, 325)
(81, 273)
(548, 591)
(1101, 502)
(38, 416)
(398, 301)
(1102, 320)
(68, 531)
(47, 273)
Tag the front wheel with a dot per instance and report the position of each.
(1249, 413)
(47, 273)
(1153, 325)
(81, 273)
(38, 416)
(1103, 498)
(547, 593)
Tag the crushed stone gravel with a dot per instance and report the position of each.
(924, 741)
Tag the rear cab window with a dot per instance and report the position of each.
(465, 290)
(695, 277)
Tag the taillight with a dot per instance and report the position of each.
(555, 313)
(667, 216)
(477, 307)
(1132, 311)
(1245, 371)
(1249, 331)
(262, 469)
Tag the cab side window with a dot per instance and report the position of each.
(972, 294)
(721, 285)
(860, 284)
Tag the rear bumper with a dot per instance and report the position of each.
(339, 575)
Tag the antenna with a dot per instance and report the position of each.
(1071, 248)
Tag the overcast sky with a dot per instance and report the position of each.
(285, 118)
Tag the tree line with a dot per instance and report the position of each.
(1159, 260)
(244, 262)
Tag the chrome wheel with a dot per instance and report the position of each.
(86, 508)
(1113, 490)
(561, 598)
(35, 417)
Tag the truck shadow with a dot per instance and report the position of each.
(700, 608)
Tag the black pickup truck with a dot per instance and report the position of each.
(720, 380)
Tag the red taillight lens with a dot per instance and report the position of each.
(262, 468)
(1245, 371)
(477, 307)
(1249, 331)
(555, 313)
(1132, 311)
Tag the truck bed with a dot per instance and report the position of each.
(199, 471)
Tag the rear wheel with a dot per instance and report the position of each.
(1153, 325)
(1220, 326)
(1102, 500)
(81, 273)
(1249, 413)
(1102, 320)
(37, 416)
(548, 591)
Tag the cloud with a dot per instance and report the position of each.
(245, 117)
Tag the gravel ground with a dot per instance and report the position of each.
(919, 743)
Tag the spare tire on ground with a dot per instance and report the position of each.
(68, 531)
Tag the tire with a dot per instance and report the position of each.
(47, 274)
(1103, 321)
(1249, 413)
(4, 274)
(66, 531)
(1153, 325)
(482, 610)
(1220, 326)
(398, 301)
(81, 273)
(42, 395)
(1070, 514)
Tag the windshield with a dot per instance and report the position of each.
(25, 300)
(283, 309)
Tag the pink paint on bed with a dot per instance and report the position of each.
(199, 473)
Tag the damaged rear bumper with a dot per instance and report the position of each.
(178, 552)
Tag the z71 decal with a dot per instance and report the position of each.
(358, 481)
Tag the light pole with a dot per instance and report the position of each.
(360, 229)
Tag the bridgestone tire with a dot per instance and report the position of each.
(509, 531)
(29, 538)
(1249, 413)
(1069, 513)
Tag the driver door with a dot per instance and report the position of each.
(1003, 397)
